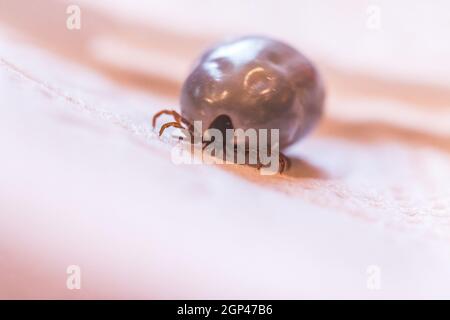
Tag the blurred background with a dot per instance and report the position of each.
(85, 182)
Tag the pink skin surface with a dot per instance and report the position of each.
(85, 181)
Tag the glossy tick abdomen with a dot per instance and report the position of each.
(258, 83)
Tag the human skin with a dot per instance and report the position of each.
(84, 181)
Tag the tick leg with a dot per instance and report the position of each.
(178, 118)
(170, 124)
(205, 144)
(160, 113)
(178, 123)
(284, 162)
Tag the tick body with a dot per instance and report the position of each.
(253, 83)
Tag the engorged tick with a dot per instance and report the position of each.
(252, 82)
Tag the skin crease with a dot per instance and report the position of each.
(258, 83)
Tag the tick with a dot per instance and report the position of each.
(252, 82)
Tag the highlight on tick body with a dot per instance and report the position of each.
(258, 147)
